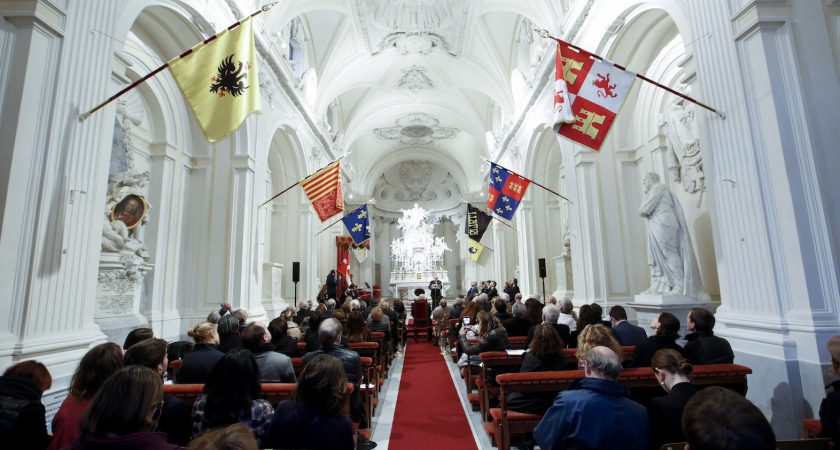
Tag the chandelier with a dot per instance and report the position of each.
(417, 251)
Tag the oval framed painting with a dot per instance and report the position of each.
(130, 210)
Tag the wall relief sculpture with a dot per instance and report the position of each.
(684, 160)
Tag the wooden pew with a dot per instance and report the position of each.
(640, 383)
(274, 393)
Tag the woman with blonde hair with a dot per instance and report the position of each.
(233, 437)
(198, 363)
(671, 369)
(593, 336)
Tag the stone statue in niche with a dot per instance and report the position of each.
(684, 160)
(673, 268)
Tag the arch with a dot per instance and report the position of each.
(179, 11)
(428, 154)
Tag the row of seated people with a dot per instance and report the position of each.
(230, 382)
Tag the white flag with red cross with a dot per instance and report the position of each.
(596, 89)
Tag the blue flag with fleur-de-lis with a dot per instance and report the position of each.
(506, 191)
(357, 224)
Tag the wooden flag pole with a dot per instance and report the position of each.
(545, 34)
(298, 182)
(131, 86)
(533, 182)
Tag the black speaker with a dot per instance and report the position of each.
(542, 267)
(295, 272)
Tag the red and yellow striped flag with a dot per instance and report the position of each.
(323, 189)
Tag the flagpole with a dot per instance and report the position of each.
(131, 86)
(339, 220)
(532, 181)
(298, 182)
(545, 35)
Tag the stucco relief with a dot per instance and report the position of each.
(685, 163)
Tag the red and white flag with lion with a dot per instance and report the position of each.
(594, 88)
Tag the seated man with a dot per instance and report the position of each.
(519, 325)
(717, 418)
(595, 411)
(703, 346)
(830, 406)
(625, 332)
(550, 315)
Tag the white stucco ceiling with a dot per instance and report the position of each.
(464, 50)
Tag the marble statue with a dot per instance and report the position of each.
(684, 160)
(673, 268)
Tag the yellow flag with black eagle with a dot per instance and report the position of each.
(220, 80)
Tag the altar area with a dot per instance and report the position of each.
(416, 256)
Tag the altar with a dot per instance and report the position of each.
(417, 256)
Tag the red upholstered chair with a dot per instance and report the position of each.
(422, 322)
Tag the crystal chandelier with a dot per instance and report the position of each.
(417, 251)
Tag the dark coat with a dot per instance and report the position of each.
(332, 285)
(198, 364)
(286, 345)
(302, 313)
(456, 312)
(502, 316)
(495, 340)
(144, 440)
(539, 402)
(175, 421)
(562, 330)
(22, 415)
(644, 352)
(704, 347)
(593, 413)
(628, 334)
(517, 326)
(297, 425)
(665, 415)
(230, 342)
(512, 291)
(472, 292)
(349, 360)
(830, 413)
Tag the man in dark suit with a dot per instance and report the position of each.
(623, 331)
(473, 291)
(703, 346)
(332, 284)
(435, 286)
(491, 291)
(550, 315)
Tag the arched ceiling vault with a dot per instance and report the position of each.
(412, 79)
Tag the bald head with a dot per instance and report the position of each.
(602, 362)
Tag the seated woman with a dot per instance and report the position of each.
(124, 412)
(379, 322)
(95, 367)
(234, 437)
(22, 421)
(490, 334)
(293, 329)
(136, 335)
(231, 395)
(357, 329)
(198, 363)
(545, 353)
(586, 317)
(228, 330)
(666, 330)
(281, 342)
(665, 413)
(593, 336)
(318, 405)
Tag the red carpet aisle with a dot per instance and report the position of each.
(429, 414)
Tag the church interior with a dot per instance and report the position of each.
(130, 216)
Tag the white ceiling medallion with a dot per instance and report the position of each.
(413, 26)
(415, 79)
(416, 129)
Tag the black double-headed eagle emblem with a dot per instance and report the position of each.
(229, 78)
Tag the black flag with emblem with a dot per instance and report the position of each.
(477, 222)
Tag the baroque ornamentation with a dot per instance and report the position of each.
(684, 160)
(415, 79)
(416, 129)
(415, 177)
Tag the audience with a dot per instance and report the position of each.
(399, 308)
(666, 329)
(124, 413)
(598, 312)
(441, 312)
(378, 322)
(136, 335)
(241, 315)
(625, 332)
(671, 370)
(567, 314)
(273, 367)
(292, 329)
(357, 329)
(199, 362)
(175, 420)
(593, 336)
(457, 308)
(586, 317)
(491, 336)
(703, 347)
(501, 310)
(545, 353)
(550, 314)
(228, 330)
(304, 311)
(830, 406)
(231, 395)
(533, 311)
(176, 351)
(281, 341)
(95, 367)
(22, 415)
(519, 325)
(595, 413)
(233, 437)
(717, 418)
(318, 405)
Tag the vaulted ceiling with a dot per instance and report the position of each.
(415, 80)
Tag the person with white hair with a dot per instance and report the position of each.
(567, 314)
(550, 314)
(519, 325)
(594, 412)
(517, 298)
(552, 300)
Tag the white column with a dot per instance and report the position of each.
(529, 276)
(500, 266)
(308, 286)
(586, 233)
